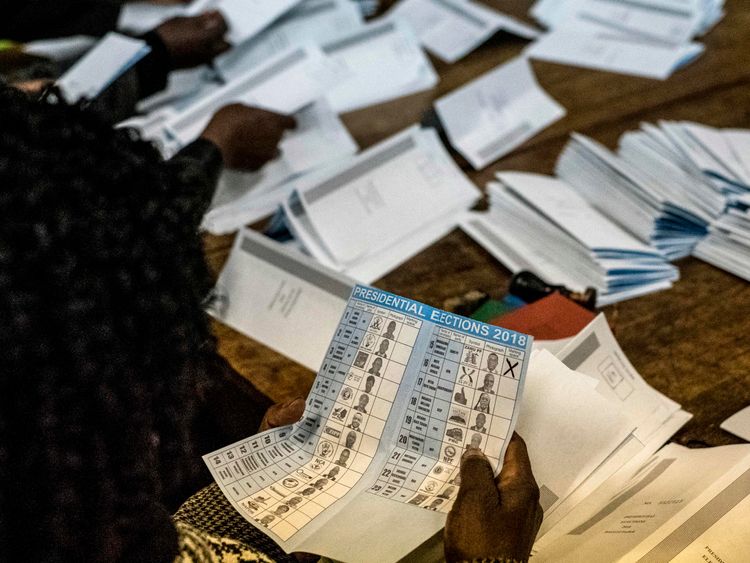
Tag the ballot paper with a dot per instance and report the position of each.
(540, 224)
(313, 21)
(451, 29)
(280, 298)
(109, 59)
(385, 62)
(402, 391)
(319, 139)
(604, 50)
(495, 113)
(739, 424)
(141, 17)
(569, 428)
(681, 505)
(245, 18)
(359, 216)
(267, 86)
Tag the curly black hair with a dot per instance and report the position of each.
(102, 342)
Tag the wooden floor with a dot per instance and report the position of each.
(691, 342)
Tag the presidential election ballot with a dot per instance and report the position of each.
(370, 471)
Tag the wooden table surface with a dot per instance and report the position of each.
(691, 342)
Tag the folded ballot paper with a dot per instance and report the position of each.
(109, 59)
(541, 224)
(245, 18)
(495, 113)
(650, 39)
(451, 29)
(384, 60)
(313, 21)
(319, 140)
(266, 86)
(402, 391)
(359, 217)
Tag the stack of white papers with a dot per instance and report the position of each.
(320, 139)
(109, 59)
(650, 39)
(495, 113)
(245, 18)
(267, 86)
(313, 21)
(385, 62)
(651, 208)
(366, 216)
(541, 224)
(451, 29)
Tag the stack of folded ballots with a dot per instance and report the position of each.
(541, 224)
(679, 186)
(650, 39)
(370, 213)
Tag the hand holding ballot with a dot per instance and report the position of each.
(494, 517)
(232, 125)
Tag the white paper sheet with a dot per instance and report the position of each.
(60, 49)
(495, 113)
(739, 424)
(388, 417)
(451, 29)
(245, 18)
(280, 298)
(101, 66)
(385, 62)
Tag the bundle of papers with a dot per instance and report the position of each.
(107, 60)
(650, 39)
(319, 140)
(384, 60)
(245, 18)
(680, 186)
(495, 113)
(266, 86)
(451, 29)
(541, 224)
(402, 390)
(360, 217)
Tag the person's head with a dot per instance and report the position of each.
(377, 363)
(476, 440)
(489, 381)
(351, 438)
(448, 491)
(267, 519)
(484, 401)
(391, 327)
(492, 361)
(320, 483)
(481, 419)
(294, 501)
(344, 455)
(333, 472)
(384, 346)
(356, 420)
(281, 509)
(104, 340)
(363, 400)
(436, 503)
(369, 383)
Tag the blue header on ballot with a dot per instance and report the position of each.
(468, 326)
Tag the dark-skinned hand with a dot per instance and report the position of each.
(247, 137)
(194, 41)
(494, 517)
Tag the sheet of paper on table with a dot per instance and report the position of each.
(497, 112)
(680, 505)
(109, 59)
(358, 217)
(314, 21)
(320, 139)
(451, 29)
(385, 61)
(738, 424)
(267, 86)
(377, 451)
(141, 17)
(280, 298)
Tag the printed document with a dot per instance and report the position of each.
(402, 391)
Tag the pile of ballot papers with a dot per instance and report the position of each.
(542, 224)
(650, 39)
